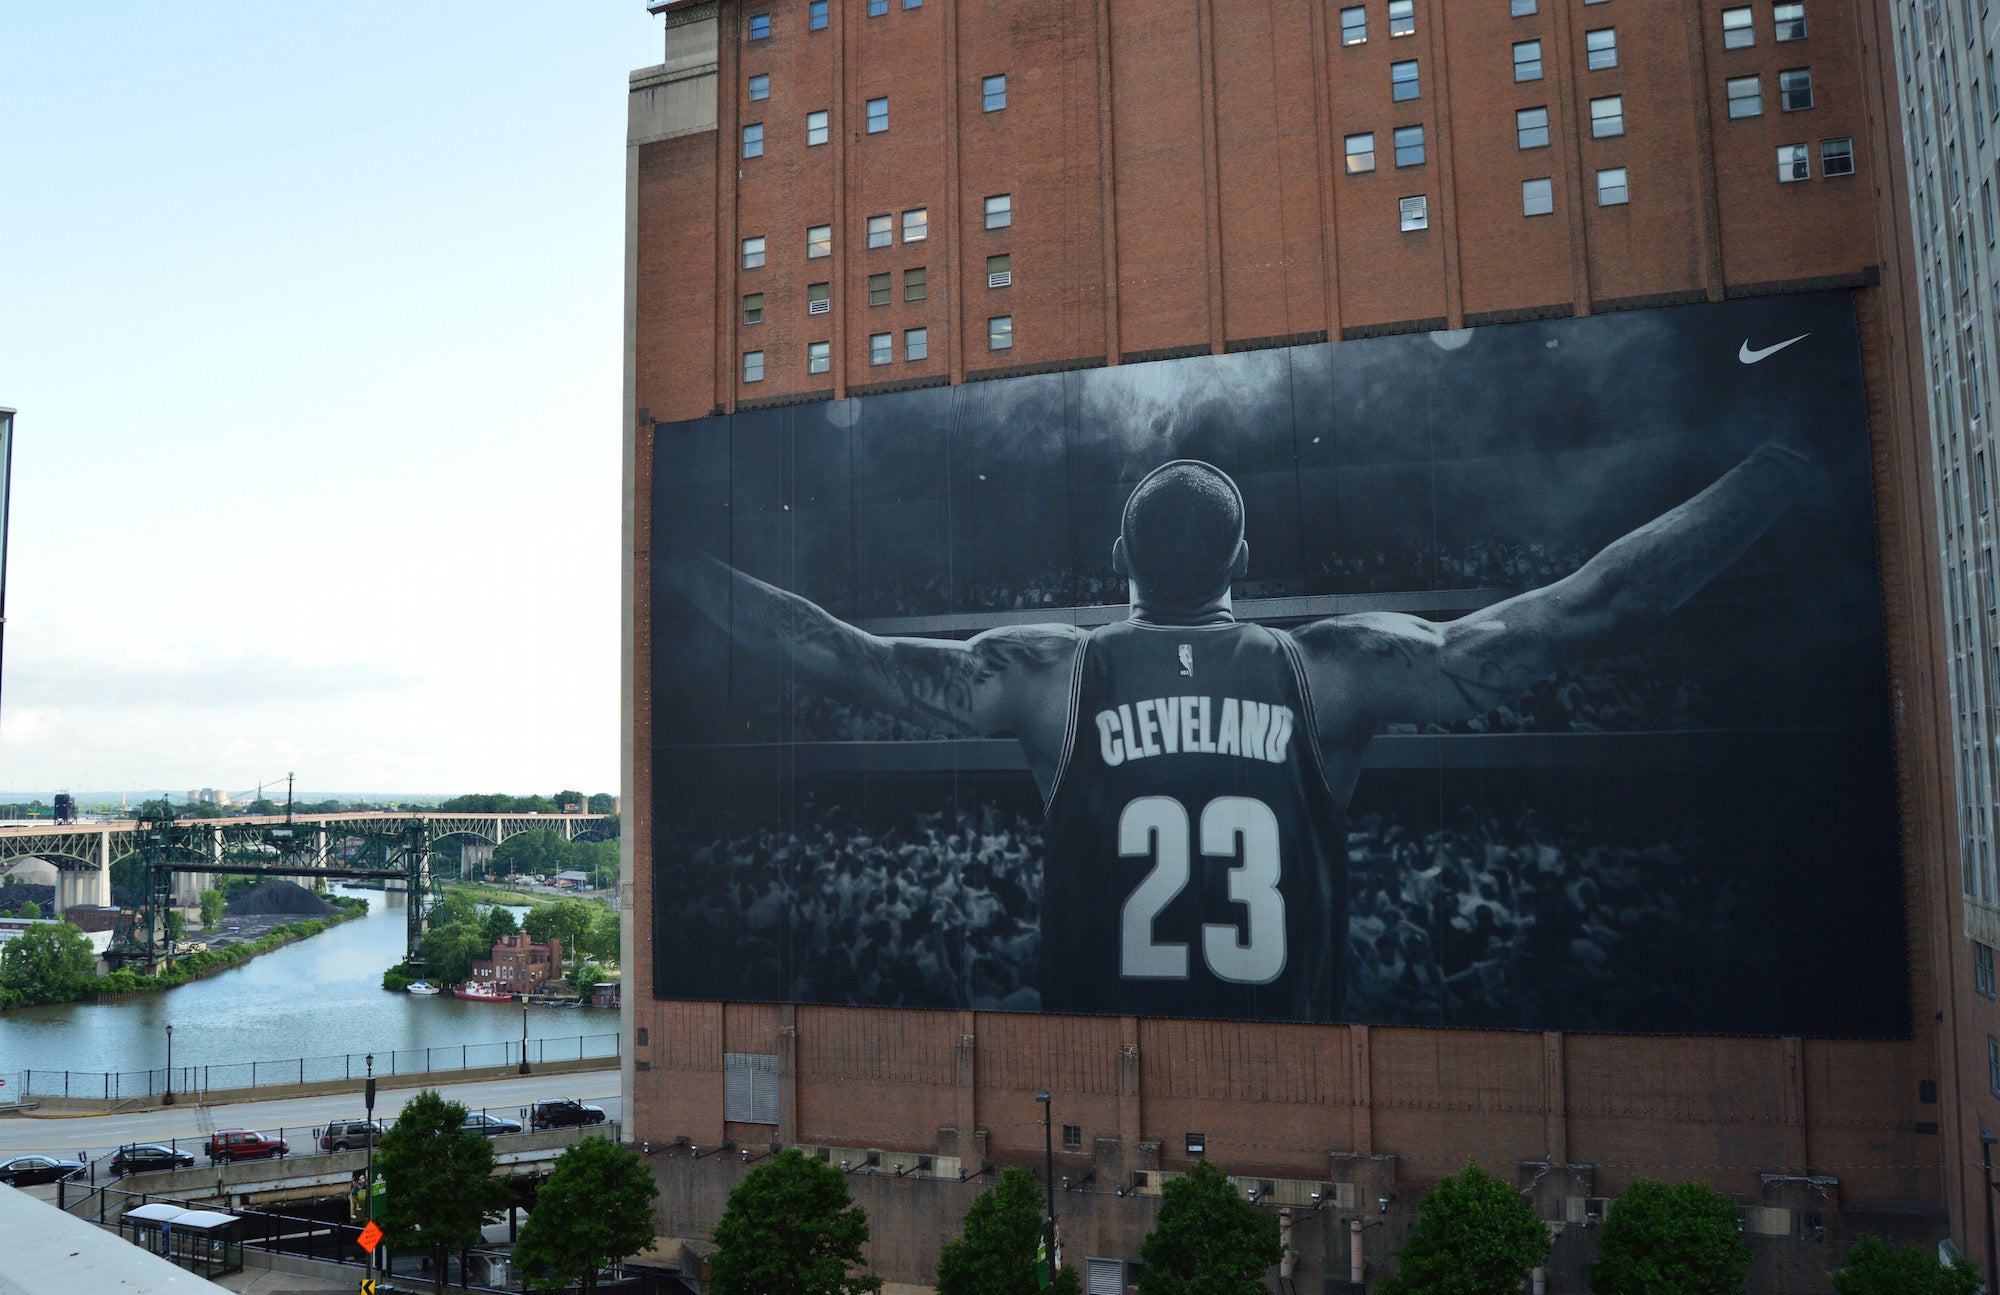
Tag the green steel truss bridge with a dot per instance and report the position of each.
(182, 855)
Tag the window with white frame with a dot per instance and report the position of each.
(819, 241)
(1789, 21)
(1794, 163)
(1601, 48)
(1000, 211)
(879, 232)
(753, 308)
(1413, 213)
(1402, 17)
(760, 86)
(1611, 190)
(1527, 60)
(1000, 333)
(1982, 969)
(1537, 197)
(1531, 127)
(819, 357)
(1353, 25)
(760, 26)
(877, 8)
(1409, 146)
(878, 115)
(881, 348)
(916, 224)
(1739, 28)
(753, 252)
(1403, 81)
(993, 93)
(916, 343)
(1607, 116)
(816, 128)
(753, 139)
(1746, 96)
(1795, 92)
(1520, 8)
(753, 366)
(816, 15)
(1360, 153)
(1836, 157)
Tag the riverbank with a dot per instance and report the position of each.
(480, 893)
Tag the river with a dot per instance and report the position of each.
(319, 997)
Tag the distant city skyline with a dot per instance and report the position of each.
(313, 323)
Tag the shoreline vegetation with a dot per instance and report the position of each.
(481, 893)
(54, 974)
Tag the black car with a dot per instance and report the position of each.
(142, 1156)
(490, 1125)
(563, 1114)
(26, 1171)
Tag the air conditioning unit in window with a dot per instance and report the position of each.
(822, 307)
(999, 278)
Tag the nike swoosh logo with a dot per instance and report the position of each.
(1748, 356)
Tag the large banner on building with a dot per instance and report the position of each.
(1529, 676)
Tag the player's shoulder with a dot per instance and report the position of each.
(1366, 635)
(1028, 647)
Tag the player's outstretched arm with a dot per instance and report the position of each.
(1381, 667)
(970, 687)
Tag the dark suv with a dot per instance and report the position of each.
(142, 1156)
(563, 1114)
(347, 1135)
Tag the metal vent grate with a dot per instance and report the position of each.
(820, 307)
(1000, 278)
(750, 1087)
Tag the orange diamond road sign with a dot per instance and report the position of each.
(371, 1236)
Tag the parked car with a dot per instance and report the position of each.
(26, 1171)
(562, 1114)
(347, 1135)
(491, 1125)
(138, 1157)
(243, 1144)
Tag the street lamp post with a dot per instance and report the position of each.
(524, 1037)
(168, 1100)
(1049, 1181)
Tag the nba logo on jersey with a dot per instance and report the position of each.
(1187, 660)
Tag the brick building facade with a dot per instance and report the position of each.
(1179, 177)
(519, 965)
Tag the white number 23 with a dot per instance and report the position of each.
(1157, 827)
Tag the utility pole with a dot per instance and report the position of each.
(368, 1186)
(1048, 1265)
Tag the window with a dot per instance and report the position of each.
(1601, 48)
(1790, 21)
(1072, 1137)
(1531, 127)
(1739, 28)
(916, 284)
(819, 241)
(1520, 8)
(1795, 89)
(819, 298)
(1415, 213)
(753, 253)
(819, 357)
(1982, 969)
(916, 225)
(1360, 153)
(1527, 60)
(1611, 191)
(1403, 81)
(1000, 211)
(876, 8)
(760, 26)
(1794, 163)
(913, 4)
(1197, 1145)
(1402, 17)
(999, 271)
(753, 308)
(1836, 157)
(1607, 116)
(1000, 333)
(881, 348)
(815, 128)
(879, 234)
(1985, 207)
(1993, 1064)
(993, 92)
(1409, 146)
(1746, 96)
(753, 366)
(878, 289)
(916, 343)
(878, 115)
(1537, 197)
(1353, 25)
(753, 139)
(760, 86)
(816, 15)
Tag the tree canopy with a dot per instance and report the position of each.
(595, 1207)
(48, 963)
(439, 1184)
(790, 1228)
(1476, 1237)
(1875, 1267)
(1209, 1240)
(996, 1254)
(568, 920)
(1662, 1240)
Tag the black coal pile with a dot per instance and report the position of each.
(14, 898)
(277, 898)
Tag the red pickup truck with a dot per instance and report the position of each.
(243, 1144)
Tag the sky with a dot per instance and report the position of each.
(312, 314)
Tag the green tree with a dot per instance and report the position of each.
(1875, 1267)
(176, 924)
(586, 978)
(601, 802)
(29, 908)
(790, 1228)
(996, 1253)
(1476, 1237)
(538, 850)
(568, 920)
(567, 797)
(602, 942)
(596, 1207)
(1679, 1240)
(48, 963)
(211, 907)
(439, 1188)
(1209, 1240)
(497, 925)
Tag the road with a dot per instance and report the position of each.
(291, 1118)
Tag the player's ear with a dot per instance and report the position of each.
(1240, 564)
(1120, 564)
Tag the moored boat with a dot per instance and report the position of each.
(422, 987)
(481, 994)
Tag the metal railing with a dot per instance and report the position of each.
(122, 1085)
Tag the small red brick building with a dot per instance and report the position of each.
(520, 965)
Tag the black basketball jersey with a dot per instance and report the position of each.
(1194, 857)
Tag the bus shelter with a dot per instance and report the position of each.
(202, 1241)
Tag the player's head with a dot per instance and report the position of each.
(1181, 536)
